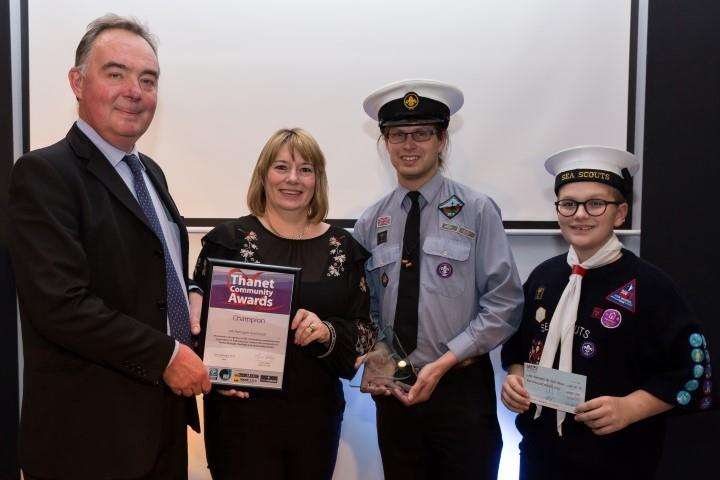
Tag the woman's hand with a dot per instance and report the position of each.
(513, 394)
(234, 393)
(196, 301)
(309, 328)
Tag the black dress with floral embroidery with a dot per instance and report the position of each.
(333, 287)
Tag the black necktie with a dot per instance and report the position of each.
(406, 311)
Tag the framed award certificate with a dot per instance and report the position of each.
(246, 316)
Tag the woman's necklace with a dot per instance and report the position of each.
(299, 236)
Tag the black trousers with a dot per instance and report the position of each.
(548, 465)
(268, 440)
(172, 460)
(454, 435)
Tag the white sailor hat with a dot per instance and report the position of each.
(413, 102)
(593, 163)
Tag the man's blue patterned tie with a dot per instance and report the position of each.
(178, 315)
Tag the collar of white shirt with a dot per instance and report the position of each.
(112, 153)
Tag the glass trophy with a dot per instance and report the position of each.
(387, 366)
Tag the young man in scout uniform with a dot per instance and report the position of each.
(443, 279)
(615, 319)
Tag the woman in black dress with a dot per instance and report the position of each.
(294, 433)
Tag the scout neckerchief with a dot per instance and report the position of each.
(562, 324)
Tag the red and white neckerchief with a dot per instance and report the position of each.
(562, 324)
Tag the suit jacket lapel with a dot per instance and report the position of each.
(99, 166)
(156, 178)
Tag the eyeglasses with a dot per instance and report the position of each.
(422, 135)
(594, 207)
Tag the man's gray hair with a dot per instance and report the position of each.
(107, 22)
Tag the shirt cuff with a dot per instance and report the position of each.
(174, 354)
(463, 346)
(195, 288)
(333, 336)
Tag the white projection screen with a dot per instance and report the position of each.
(538, 76)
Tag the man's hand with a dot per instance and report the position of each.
(427, 380)
(196, 301)
(379, 370)
(360, 360)
(186, 374)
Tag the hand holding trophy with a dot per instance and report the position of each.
(386, 369)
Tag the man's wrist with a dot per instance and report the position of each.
(174, 354)
(447, 361)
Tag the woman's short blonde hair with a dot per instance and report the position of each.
(298, 141)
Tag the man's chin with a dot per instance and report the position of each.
(414, 174)
(131, 132)
(123, 139)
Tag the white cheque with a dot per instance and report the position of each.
(554, 388)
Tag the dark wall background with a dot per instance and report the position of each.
(8, 317)
(681, 192)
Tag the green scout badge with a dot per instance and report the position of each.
(451, 207)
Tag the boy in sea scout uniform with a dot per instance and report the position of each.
(601, 312)
(444, 281)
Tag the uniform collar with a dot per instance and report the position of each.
(427, 192)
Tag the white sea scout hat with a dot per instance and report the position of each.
(593, 163)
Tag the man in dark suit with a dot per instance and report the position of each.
(100, 254)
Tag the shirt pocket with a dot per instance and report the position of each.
(382, 256)
(382, 267)
(445, 266)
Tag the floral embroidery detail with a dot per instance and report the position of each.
(366, 336)
(363, 284)
(249, 249)
(337, 266)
